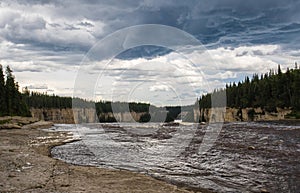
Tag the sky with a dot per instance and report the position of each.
(47, 43)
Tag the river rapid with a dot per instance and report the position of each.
(246, 157)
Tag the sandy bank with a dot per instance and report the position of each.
(25, 166)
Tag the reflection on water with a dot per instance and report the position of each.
(247, 157)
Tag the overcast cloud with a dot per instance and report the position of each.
(45, 41)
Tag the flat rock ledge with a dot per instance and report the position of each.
(39, 124)
(17, 122)
(10, 126)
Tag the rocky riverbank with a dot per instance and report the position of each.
(25, 165)
(17, 122)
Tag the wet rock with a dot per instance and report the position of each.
(263, 190)
(11, 176)
(162, 136)
(280, 142)
(170, 124)
(64, 185)
(164, 133)
(263, 138)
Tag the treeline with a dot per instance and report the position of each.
(41, 100)
(15, 103)
(268, 91)
(11, 100)
(120, 107)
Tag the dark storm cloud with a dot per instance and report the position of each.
(241, 22)
(74, 26)
(51, 37)
(86, 24)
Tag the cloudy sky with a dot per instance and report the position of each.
(46, 43)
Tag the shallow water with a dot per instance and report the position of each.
(246, 157)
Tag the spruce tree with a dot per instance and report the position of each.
(10, 91)
(14, 103)
(2, 93)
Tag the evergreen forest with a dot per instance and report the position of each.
(268, 91)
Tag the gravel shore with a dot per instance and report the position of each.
(26, 166)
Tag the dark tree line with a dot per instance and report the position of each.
(41, 100)
(268, 91)
(14, 103)
(107, 107)
(11, 100)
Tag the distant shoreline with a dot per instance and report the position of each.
(66, 115)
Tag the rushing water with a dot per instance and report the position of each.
(246, 157)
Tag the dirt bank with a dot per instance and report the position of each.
(25, 166)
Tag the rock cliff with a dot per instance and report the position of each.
(80, 115)
(55, 115)
(88, 115)
(123, 117)
(234, 114)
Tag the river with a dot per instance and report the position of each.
(246, 157)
